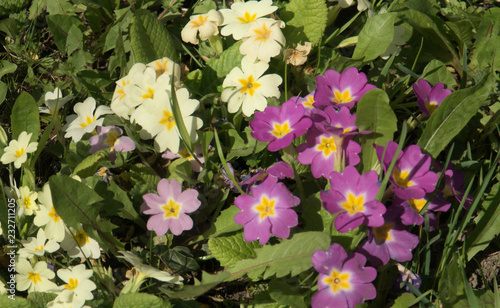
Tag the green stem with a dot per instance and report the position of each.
(289, 157)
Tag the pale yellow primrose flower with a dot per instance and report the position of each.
(2, 288)
(68, 301)
(242, 15)
(143, 271)
(77, 284)
(205, 24)
(166, 66)
(84, 246)
(47, 216)
(264, 39)
(118, 105)
(34, 279)
(85, 120)
(145, 86)
(54, 101)
(248, 89)
(37, 246)
(157, 119)
(26, 202)
(17, 150)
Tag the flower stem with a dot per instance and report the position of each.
(289, 157)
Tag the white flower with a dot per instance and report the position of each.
(145, 86)
(247, 88)
(2, 288)
(345, 3)
(166, 66)
(81, 246)
(118, 105)
(143, 271)
(47, 216)
(205, 24)
(34, 279)
(26, 201)
(54, 101)
(240, 17)
(69, 301)
(77, 282)
(37, 246)
(364, 5)
(157, 119)
(17, 150)
(85, 120)
(264, 39)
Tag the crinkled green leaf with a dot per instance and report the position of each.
(285, 294)
(140, 300)
(189, 291)
(40, 299)
(436, 71)
(376, 35)
(291, 256)
(75, 39)
(59, 26)
(204, 7)
(405, 300)
(224, 223)
(374, 114)
(25, 117)
(15, 302)
(180, 169)
(240, 148)
(452, 115)
(305, 21)
(451, 286)
(487, 44)
(89, 165)
(180, 259)
(62, 7)
(230, 249)
(150, 39)
(228, 60)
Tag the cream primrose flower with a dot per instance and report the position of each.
(247, 88)
(2, 288)
(145, 86)
(34, 279)
(143, 271)
(264, 39)
(205, 24)
(157, 119)
(77, 284)
(69, 301)
(47, 216)
(26, 202)
(85, 120)
(81, 246)
(242, 15)
(37, 246)
(167, 66)
(54, 101)
(17, 150)
(118, 105)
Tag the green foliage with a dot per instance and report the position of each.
(140, 300)
(89, 165)
(64, 28)
(375, 37)
(25, 117)
(285, 294)
(17, 302)
(40, 299)
(233, 248)
(240, 148)
(224, 223)
(228, 60)
(189, 291)
(404, 300)
(300, 27)
(436, 71)
(485, 52)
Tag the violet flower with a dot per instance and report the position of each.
(267, 211)
(406, 276)
(343, 281)
(411, 176)
(169, 208)
(109, 137)
(341, 89)
(389, 241)
(307, 102)
(280, 125)
(453, 186)
(429, 98)
(353, 196)
(411, 210)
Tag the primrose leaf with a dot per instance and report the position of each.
(230, 249)
(189, 291)
(88, 166)
(487, 44)
(436, 71)
(229, 59)
(239, 147)
(404, 301)
(25, 117)
(285, 294)
(150, 39)
(374, 114)
(452, 115)
(7, 68)
(305, 21)
(60, 26)
(15, 302)
(291, 256)
(140, 300)
(375, 37)
(40, 299)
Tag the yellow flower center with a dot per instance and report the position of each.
(35, 277)
(199, 22)
(112, 137)
(27, 201)
(382, 234)
(401, 178)
(160, 67)
(338, 281)
(168, 119)
(266, 207)
(73, 283)
(281, 130)
(185, 154)
(88, 120)
(354, 204)
(150, 94)
(171, 209)
(263, 33)
(342, 98)
(327, 145)
(417, 204)
(247, 18)
(431, 106)
(81, 237)
(249, 85)
(54, 215)
(19, 153)
(309, 102)
(37, 249)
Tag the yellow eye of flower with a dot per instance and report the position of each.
(281, 130)
(198, 23)
(112, 137)
(342, 98)
(249, 85)
(54, 215)
(266, 207)
(19, 153)
(168, 119)
(338, 281)
(81, 237)
(172, 209)
(401, 178)
(354, 204)
(35, 277)
(382, 234)
(73, 283)
(327, 145)
(88, 120)
(417, 204)
(150, 94)
(247, 18)
(431, 106)
(263, 33)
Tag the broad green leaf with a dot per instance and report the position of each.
(436, 71)
(451, 286)
(285, 294)
(75, 39)
(291, 256)
(376, 35)
(229, 59)
(224, 223)
(305, 21)
(179, 169)
(14, 302)
(36, 8)
(374, 114)
(452, 115)
(180, 259)
(40, 299)
(204, 7)
(487, 44)
(189, 291)
(315, 216)
(7, 68)
(239, 147)
(59, 26)
(405, 300)
(140, 300)
(487, 226)
(60, 7)
(230, 249)
(25, 117)
(484, 298)
(150, 39)
(89, 165)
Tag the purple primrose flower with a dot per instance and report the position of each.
(267, 211)
(109, 137)
(183, 153)
(429, 98)
(343, 281)
(412, 207)
(306, 101)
